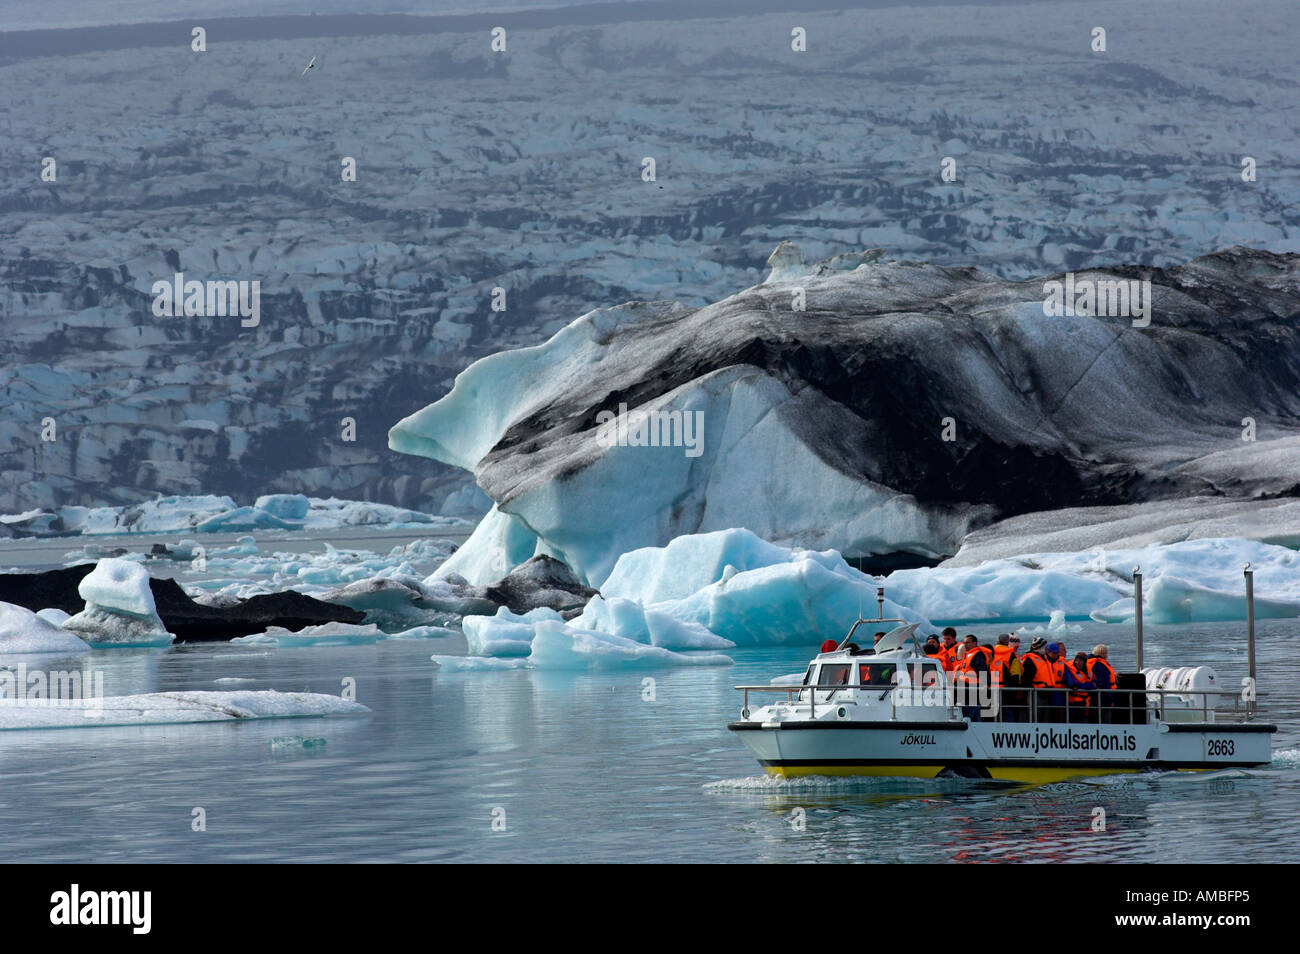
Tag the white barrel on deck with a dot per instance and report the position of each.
(1184, 687)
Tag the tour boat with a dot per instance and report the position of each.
(890, 710)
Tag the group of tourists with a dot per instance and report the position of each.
(1042, 685)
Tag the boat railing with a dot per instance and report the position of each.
(1038, 704)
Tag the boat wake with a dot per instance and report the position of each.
(830, 785)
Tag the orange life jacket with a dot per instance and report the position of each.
(947, 657)
(964, 664)
(1045, 674)
(1096, 661)
(1079, 697)
(1002, 655)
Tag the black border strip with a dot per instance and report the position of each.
(1220, 727)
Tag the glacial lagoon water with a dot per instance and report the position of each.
(579, 767)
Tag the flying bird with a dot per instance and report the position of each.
(308, 66)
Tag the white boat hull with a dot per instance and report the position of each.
(1022, 752)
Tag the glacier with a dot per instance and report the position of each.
(383, 287)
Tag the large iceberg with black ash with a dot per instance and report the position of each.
(904, 406)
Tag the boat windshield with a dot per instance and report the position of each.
(876, 674)
(834, 675)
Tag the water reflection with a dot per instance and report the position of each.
(586, 767)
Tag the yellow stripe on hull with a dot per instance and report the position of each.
(881, 771)
(1034, 775)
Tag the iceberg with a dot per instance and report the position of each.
(245, 518)
(557, 646)
(628, 619)
(506, 633)
(22, 631)
(750, 592)
(1056, 624)
(616, 633)
(1195, 580)
(325, 634)
(714, 591)
(120, 608)
(424, 632)
(165, 708)
(292, 508)
(1132, 526)
(821, 429)
(479, 663)
(220, 514)
(1169, 599)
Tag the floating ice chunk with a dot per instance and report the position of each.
(478, 663)
(1121, 611)
(119, 586)
(423, 632)
(1187, 581)
(22, 631)
(324, 634)
(506, 633)
(53, 615)
(631, 620)
(746, 590)
(244, 546)
(245, 518)
(1170, 599)
(332, 512)
(1055, 624)
(289, 507)
(119, 609)
(211, 514)
(789, 679)
(689, 563)
(297, 742)
(557, 646)
(803, 601)
(1004, 589)
(163, 515)
(233, 681)
(161, 708)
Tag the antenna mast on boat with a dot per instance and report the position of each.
(1250, 631)
(1137, 611)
